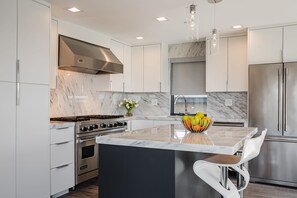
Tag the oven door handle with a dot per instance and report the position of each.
(86, 140)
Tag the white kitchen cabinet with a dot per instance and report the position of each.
(54, 54)
(137, 69)
(152, 68)
(265, 45)
(25, 134)
(32, 154)
(165, 122)
(33, 42)
(127, 69)
(228, 70)
(237, 64)
(216, 67)
(8, 136)
(290, 43)
(8, 24)
(62, 159)
(117, 80)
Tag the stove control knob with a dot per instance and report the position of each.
(115, 124)
(90, 128)
(84, 128)
(120, 124)
(95, 126)
(110, 125)
(125, 123)
(103, 125)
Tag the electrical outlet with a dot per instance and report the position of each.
(228, 102)
(155, 102)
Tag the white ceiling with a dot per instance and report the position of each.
(126, 19)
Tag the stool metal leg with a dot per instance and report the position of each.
(224, 177)
(239, 178)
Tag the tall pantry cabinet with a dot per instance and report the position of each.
(24, 101)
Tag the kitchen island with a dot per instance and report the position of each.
(157, 162)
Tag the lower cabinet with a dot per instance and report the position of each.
(62, 160)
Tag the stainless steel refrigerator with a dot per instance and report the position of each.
(273, 105)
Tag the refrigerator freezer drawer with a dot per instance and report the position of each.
(275, 164)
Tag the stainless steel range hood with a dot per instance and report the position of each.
(79, 56)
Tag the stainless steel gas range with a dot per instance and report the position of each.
(86, 129)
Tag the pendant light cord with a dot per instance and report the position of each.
(214, 15)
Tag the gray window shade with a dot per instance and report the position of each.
(188, 78)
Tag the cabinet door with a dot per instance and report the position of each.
(237, 64)
(216, 68)
(8, 39)
(290, 43)
(33, 140)
(152, 68)
(117, 80)
(164, 68)
(127, 69)
(34, 42)
(265, 46)
(54, 54)
(137, 69)
(8, 136)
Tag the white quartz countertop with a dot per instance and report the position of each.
(217, 140)
(58, 125)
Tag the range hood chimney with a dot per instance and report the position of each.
(80, 56)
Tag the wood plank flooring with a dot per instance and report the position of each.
(90, 190)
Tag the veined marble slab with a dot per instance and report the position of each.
(217, 140)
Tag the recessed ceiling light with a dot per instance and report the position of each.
(74, 9)
(237, 26)
(139, 38)
(162, 19)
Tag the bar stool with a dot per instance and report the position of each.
(214, 170)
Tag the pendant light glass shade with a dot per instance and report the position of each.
(192, 23)
(215, 42)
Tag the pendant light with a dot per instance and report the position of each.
(215, 34)
(192, 23)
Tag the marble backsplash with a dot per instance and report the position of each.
(184, 50)
(77, 94)
(216, 105)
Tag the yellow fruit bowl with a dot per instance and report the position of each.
(198, 127)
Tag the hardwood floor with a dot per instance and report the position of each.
(90, 190)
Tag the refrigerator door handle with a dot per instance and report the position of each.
(285, 100)
(279, 100)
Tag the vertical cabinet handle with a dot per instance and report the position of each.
(18, 82)
(123, 87)
(285, 100)
(279, 100)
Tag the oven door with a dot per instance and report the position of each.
(87, 155)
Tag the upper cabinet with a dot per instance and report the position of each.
(237, 64)
(228, 70)
(265, 45)
(150, 68)
(272, 45)
(290, 43)
(216, 67)
(33, 42)
(121, 82)
(8, 23)
(54, 54)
